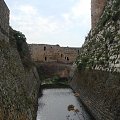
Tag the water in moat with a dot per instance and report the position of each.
(53, 105)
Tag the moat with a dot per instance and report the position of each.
(53, 105)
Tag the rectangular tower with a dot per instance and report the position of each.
(97, 7)
(4, 21)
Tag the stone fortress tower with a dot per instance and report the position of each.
(4, 22)
(97, 7)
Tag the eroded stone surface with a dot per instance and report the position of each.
(18, 85)
(53, 53)
(97, 74)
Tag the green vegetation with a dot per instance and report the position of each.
(55, 80)
(81, 65)
(116, 16)
(116, 4)
(105, 18)
(20, 41)
(22, 48)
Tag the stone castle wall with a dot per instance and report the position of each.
(97, 7)
(97, 76)
(19, 85)
(4, 21)
(53, 53)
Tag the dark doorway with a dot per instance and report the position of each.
(67, 58)
(44, 48)
(45, 58)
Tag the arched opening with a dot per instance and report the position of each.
(61, 55)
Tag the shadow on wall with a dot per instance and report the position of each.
(49, 70)
(99, 91)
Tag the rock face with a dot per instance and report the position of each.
(19, 84)
(53, 53)
(97, 76)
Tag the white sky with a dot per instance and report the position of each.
(63, 22)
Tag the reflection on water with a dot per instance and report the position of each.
(53, 105)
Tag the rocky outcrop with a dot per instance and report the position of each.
(97, 75)
(19, 84)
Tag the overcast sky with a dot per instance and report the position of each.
(63, 22)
